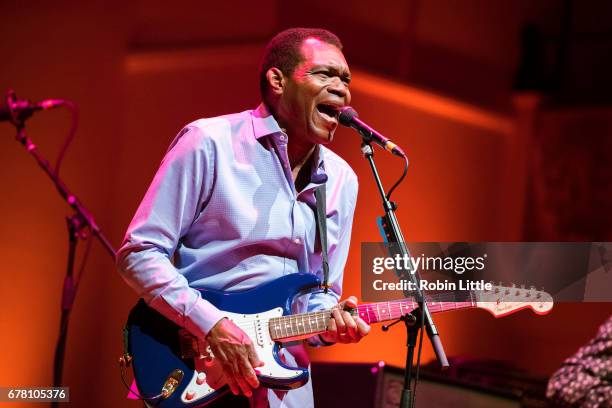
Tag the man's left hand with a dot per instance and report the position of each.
(343, 327)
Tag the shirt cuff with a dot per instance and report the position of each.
(198, 321)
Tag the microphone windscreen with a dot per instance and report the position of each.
(346, 115)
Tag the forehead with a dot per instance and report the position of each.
(317, 52)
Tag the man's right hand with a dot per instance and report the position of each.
(234, 350)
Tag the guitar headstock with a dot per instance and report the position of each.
(504, 300)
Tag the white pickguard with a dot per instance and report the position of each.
(208, 375)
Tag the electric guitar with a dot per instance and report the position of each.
(174, 369)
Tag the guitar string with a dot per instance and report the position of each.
(366, 309)
(392, 307)
(401, 303)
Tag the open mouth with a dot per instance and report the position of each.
(330, 112)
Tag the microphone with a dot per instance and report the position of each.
(22, 109)
(348, 117)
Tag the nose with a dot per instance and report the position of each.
(339, 88)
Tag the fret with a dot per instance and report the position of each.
(305, 320)
(284, 327)
(363, 314)
(394, 310)
(397, 309)
(373, 314)
(273, 325)
(325, 316)
(316, 317)
(280, 327)
(322, 324)
(292, 325)
(288, 326)
(295, 324)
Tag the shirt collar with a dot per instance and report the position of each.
(318, 175)
(264, 124)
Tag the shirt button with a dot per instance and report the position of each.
(297, 241)
(282, 137)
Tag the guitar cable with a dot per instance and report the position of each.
(124, 362)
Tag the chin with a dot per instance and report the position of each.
(325, 137)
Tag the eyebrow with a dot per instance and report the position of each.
(333, 69)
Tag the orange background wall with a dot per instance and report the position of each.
(463, 184)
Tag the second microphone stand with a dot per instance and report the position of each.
(81, 219)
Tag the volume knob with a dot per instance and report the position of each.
(201, 378)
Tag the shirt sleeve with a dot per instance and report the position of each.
(338, 255)
(175, 197)
(585, 379)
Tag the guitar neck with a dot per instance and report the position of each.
(393, 310)
(305, 325)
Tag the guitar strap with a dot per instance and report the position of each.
(321, 216)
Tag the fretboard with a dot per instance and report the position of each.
(307, 324)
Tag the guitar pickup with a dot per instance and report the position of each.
(192, 347)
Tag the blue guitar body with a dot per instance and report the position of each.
(166, 357)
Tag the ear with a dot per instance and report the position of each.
(276, 80)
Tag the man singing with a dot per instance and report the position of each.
(233, 206)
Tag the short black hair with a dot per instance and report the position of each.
(284, 51)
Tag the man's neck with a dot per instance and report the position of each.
(300, 159)
(299, 154)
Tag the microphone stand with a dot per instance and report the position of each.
(76, 223)
(66, 194)
(421, 315)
